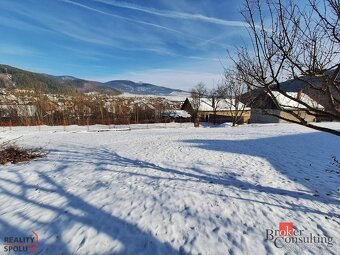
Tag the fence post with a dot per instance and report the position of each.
(109, 123)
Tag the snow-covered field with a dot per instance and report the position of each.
(179, 190)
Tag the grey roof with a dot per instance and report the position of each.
(303, 82)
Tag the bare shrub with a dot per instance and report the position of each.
(10, 152)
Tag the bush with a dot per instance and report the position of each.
(12, 153)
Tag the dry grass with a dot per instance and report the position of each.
(12, 153)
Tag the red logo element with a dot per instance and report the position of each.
(286, 229)
(33, 247)
(21, 244)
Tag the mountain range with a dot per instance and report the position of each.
(11, 78)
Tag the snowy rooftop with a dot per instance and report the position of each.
(223, 105)
(291, 104)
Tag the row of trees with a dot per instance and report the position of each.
(225, 95)
(289, 40)
(37, 109)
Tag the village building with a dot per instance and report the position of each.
(308, 90)
(264, 109)
(224, 111)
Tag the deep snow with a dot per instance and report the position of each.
(179, 190)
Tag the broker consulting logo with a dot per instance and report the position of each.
(290, 238)
(19, 244)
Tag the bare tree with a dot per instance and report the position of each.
(234, 87)
(290, 41)
(197, 93)
(216, 96)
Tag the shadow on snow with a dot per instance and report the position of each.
(284, 153)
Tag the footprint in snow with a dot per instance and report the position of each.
(82, 243)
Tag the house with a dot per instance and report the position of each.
(21, 110)
(307, 89)
(264, 110)
(224, 110)
(315, 87)
(24, 91)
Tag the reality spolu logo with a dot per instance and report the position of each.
(21, 243)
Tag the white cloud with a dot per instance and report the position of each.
(121, 17)
(17, 50)
(188, 38)
(175, 14)
(183, 76)
(172, 78)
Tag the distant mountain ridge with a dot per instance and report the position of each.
(11, 78)
(140, 88)
(15, 78)
(84, 86)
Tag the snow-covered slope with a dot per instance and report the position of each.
(173, 190)
(175, 96)
(140, 88)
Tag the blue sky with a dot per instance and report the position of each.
(175, 43)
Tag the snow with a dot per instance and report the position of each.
(173, 96)
(287, 103)
(227, 104)
(176, 114)
(171, 188)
